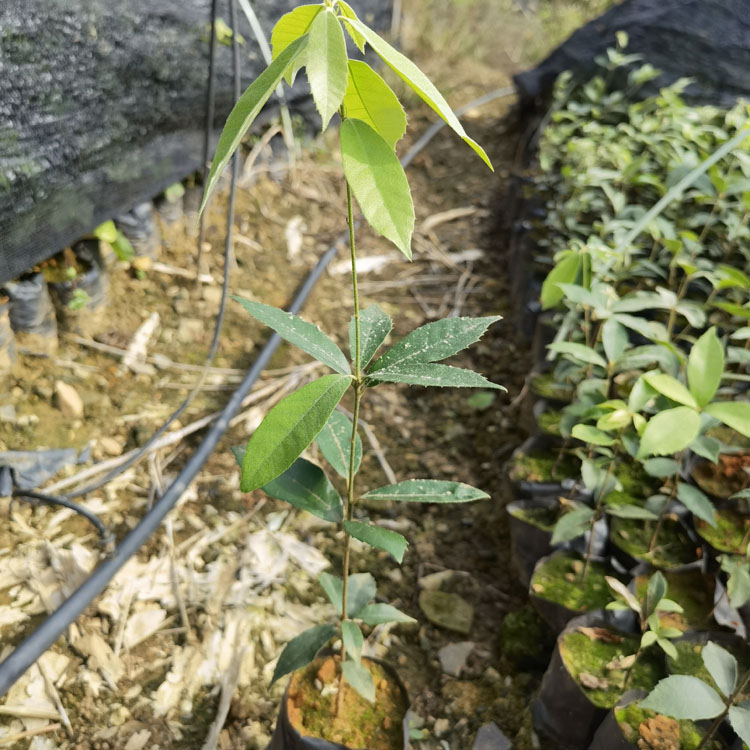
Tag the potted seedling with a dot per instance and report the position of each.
(372, 122)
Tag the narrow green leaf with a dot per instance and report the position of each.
(669, 431)
(631, 511)
(246, 110)
(661, 467)
(624, 593)
(293, 329)
(300, 651)
(696, 502)
(374, 327)
(333, 587)
(305, 486)
(435, 341)
(667, 646)
(642, 357)
(359, 677)
(580, 352)
(369, 98)
(684, 697)
(734, 414)
(393, 543)
(379, 614)
(289, 428)
(348, 12)
(614, 339)
(335, 440)
(705, 367)
(351, 635)
(417, 80)
(657, 588)
(327, 69)
(362, 589)
(565, 271)
(440, 376)
(590, 434)
(739, 718)
(427, 491)
(671, 388)
(378, 182)
(722, 666)
(572, 525)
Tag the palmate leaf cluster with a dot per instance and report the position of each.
(313, 38)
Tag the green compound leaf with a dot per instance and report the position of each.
(581, 352)
(374, 327)
(359, 677)
(435, 341)
(246, 110)
(565, 272)
(417, 80)
(348, 12)
(335, 440)
(305, 486)
(696, 502)
(671, 388)
(393, 543)
(722, 666)
(327, 69)
(684, 697)
(427, 491)
(369, 98)
(290, 27)
(379, 614)
(351, 635)
(734, 414)
(705, 367)
(293, 329)
(289, 428)
(378, 182)
(669, 431)
(441, 376)
(300, 651)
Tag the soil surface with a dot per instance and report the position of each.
(182, 645)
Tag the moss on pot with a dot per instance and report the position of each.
(558, 579)
(542, 466)
(638, 725)
(546, 386)
(674, 548)
(689, 659)
(549, 421)
(543, 518)
(525, 639)
(729, 533)
(593, 662)
(693, 591)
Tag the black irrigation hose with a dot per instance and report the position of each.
(39, 497)
(29, 650)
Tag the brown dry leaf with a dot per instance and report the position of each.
(621, 662)
(659, 733)
(601, 634)
(592, 682)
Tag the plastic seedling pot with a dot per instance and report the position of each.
(140, 227)
(690, 662)
(32, 316)
(731, 533)
(565, 713)
(546, 419)
(531, 524)
(544, 334)
(723, 479)
(287, 737)
(535, 469)
(7, 339)
(170, 210)
(610, 735)
(559, 594)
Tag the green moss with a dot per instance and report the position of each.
(525, 639)
(584, 655)
(542, 467)
(673, 546)
(549, 421)
(693, 591)
(728, 534)
(634, 480)
(558, 580)
(631, 717)
(543, 518)
(689, 659)
(547, 387)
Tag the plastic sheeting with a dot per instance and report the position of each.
(707, 40)
(102, 106)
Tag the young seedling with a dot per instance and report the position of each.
(372, 123)
(688, 697)
(647, 611)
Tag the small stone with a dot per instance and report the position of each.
(110, 446)
(28, 420)
(190, 330)
(17, 392)
(453, 657)
(68, 400)
(327, 671)
(442, 726)
(446, 610)
(489, 737)
(119, 716)
(43, 391)
(8, 414)
(212, 294)
(434, 581)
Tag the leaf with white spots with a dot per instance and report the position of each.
(429, 374)
(427, 491)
